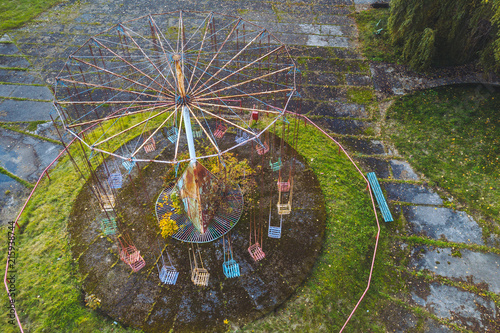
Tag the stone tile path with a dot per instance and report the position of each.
(23, 99)
(322, 37)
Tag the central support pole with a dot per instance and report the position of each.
(185, 110)
(189, 133)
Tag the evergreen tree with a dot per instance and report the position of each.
(444, 32)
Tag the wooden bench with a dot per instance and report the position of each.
(377, 191)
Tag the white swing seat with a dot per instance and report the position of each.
(284, 209)
(200, 276)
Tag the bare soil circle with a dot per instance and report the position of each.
(142, 301)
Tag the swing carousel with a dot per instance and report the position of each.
(171, 93)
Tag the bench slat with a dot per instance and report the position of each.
(377, 191)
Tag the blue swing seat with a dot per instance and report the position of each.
(231, 268)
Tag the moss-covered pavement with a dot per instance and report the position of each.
(438, 268)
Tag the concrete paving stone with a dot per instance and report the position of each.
(315, 29)
(334, 19)
(343, 126)
(315, 40)
(364, 146)
(320, 78)
(358, 80)
(334, 65)
(439, 223)
(402, 170)
(380, 167)
(25, 156)
(12, 198)
(417, 194)
(331, 10)
(320, 92)
(6, 89)
(8, 49)
(340, 109)
(333, 3)
(323, 52)
(23, 91)
(462, 307)
(432, 326)
(473, 267)
(14, 76)
(16, 62)
(12, 110)
(5, 39)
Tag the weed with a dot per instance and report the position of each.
(374, 37)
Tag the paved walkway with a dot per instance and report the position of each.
(26, 128)
(337, 91)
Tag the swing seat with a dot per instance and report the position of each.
(132, 257)
(220, 131)
(231, 268)
(276, 165)
(284, 209)
(168, 275)
(262, 148)
(255, 115)
(242, 137)
(284, 186)
(108, 226)
(197, 132)
(274, 232)
(107, 202)
(128, 165)
(200, 277)
(150, 145)
(136, 266)
(256, 252)
(172, 134)
(115, 180)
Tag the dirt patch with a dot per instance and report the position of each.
(140, 300)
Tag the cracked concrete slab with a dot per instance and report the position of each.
(8, 49)
(439, 223)
(417, 194)
(14, 62)
(12, 197)
(458, 306)
(17, 76)
(473, 267)
(28, 92)
(14, 110)
(25, 156)
(402, 170)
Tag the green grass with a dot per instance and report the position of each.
(452, 136)
(11, 175)
(30, 127)
(376, 47)
(360, 96)
(15, 13)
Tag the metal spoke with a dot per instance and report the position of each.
(244, 67)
